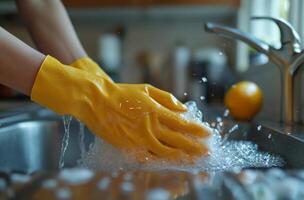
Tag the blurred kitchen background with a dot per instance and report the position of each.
(163, 42)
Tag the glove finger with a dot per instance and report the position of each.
(166, 99)
(132, 141)
(176, 122)
(155, 146)
(180, 141)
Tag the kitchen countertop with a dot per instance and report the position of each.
(154, 185)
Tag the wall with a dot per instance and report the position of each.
(154, 29)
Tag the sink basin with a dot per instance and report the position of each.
(32, 143)
(289, 147)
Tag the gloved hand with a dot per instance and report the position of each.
(87, 64)
(132, 117)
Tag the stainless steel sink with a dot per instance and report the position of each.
(276, 141)
(32, 141)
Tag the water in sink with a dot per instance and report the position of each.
(224, 155)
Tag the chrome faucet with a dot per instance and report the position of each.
(288, 58)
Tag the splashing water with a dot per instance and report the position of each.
(224, 154)
(204, 79)
(65, 141)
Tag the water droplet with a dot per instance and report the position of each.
(127, 186)
(226, 113)
(204, 79)
(103, 183)
(49, 183)
(159, 194)
(202, 98)
(235, 127)
(269, 136)
(63, 193)
(213, 124)
(219, 119)
(259, 127)
(185, 94)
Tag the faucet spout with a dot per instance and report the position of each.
(287, 32)
(233, 33)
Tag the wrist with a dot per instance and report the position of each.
(57, 86)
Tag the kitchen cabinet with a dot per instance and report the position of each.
(142, 3)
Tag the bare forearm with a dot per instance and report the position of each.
(51, 29)
(19, 63)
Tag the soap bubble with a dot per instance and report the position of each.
(224, 155)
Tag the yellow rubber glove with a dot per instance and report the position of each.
(137, 118)
(89, 65)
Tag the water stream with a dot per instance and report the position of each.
(65, 140)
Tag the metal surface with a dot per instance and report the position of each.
(32, 145)
(288, 146)
(288, 59)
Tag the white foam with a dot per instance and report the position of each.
(224, 154)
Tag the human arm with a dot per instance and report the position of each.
(19, 63)
(51, 29)
(54, 34)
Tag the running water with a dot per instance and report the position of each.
(225, 155)
(82, 146)
(65, 140)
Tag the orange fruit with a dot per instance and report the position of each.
(244, 100)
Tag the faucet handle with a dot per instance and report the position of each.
(288, 34)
